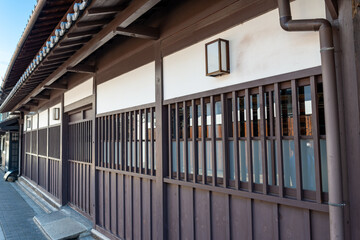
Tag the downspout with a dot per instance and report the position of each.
(331, 110)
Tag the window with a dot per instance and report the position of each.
(250, 137)
(126, 141)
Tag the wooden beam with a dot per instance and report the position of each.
(104, 10)
(65, 50)
(333, 8)
(56, 86)
(24, 109)
(93, 23)
(139, 32)
(41, 97)
(135, 10)
(82, 69)
(74, 42)
(83, 33)
(32, 104)
(53, 57)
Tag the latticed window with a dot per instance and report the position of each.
(269, 138)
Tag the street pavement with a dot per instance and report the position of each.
(16, 213)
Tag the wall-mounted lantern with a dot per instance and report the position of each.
(56, 113)
(217, 57)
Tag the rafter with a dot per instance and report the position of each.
(104, 10)
(82, 69)
(57, 86)
(139, 32)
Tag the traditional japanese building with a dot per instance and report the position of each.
(193, 119)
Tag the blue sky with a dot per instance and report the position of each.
(14, 16)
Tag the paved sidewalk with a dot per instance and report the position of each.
(16, 213)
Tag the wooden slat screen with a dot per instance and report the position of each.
(237, 140)
(126, 141)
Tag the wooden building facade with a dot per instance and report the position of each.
(122, 123)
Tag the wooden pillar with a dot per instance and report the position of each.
(161, 153)
(63, 174)
(347, 48)
(93, 176)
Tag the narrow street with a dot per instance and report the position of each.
(16, 213)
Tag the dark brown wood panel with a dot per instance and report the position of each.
(294, 223)
(264, 221)
(173, 212)
(202, 214)
(241, 226)
(320, 226)
(187, 220)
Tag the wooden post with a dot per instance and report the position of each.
(161, 133)
(63, 174)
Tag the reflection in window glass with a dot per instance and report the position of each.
(305, 110)
(256, 161)
(244, 177)
(273, 176)
(289, 163)
(190, 150)
(307, 164)
(321, 109)
(218, 136)
(324, 172)
(208, 151)
(231, 161)
(255, 115)
(181, 139)
(241, 108)
(173, 140)
(287, 123)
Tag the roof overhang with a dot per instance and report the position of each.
(94, 27)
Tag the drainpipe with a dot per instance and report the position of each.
(331, 110)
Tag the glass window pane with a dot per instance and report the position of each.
(190, 152)
(218, 119)
(289, 163)
(267, 114)
(181, 122)
(219, 159)
(173, 156)
(208, 120)
(272, 163)
(324, 171)
(199, 121)
(189, 120)
(307, 165)
(287, 123)
(321, 109)
(231, 161)
(305, 110)
(244, 177)
(255, 115)
(256, 161)
(241, 108)
(200, 157)
(181, 156)
(208, 154)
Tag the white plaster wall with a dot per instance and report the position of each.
(79, 92)
(43, 118)
(52, 121)
(131, 89)
(258, 48)
(34, 121)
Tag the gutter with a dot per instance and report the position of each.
(39, 6)
(323, 26)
